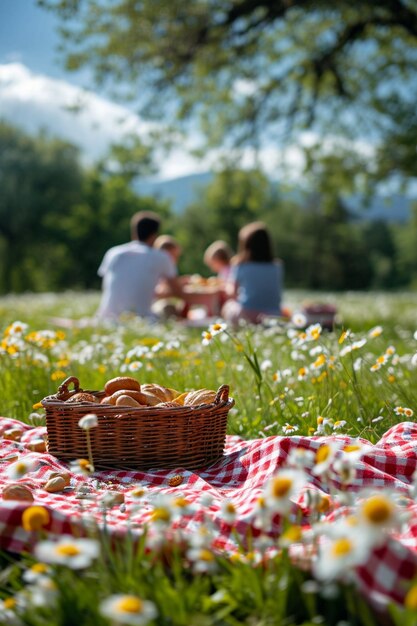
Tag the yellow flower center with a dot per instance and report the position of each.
(353, 447)
(323, 454)
(261, 502)
(39, 568)
(341, 547)
(206, 555)
(293, 534)
(229, 508)
(9, 603)
(281, 487)
(67, 549)
(217, 327)
(130, 604)
(342, 337)
(410, 601)
(138, 493)
(377, 510)
(181, 502)
(324, 504)
(161, 515)
(34, 518)
(21, 468)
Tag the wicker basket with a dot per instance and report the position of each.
(189, 437)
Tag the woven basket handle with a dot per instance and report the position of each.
(222, 395)
(63, 392)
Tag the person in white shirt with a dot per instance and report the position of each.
(131, 271)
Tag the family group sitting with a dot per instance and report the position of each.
(139, 273)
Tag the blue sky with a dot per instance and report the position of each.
(28, 35)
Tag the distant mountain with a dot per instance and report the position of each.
(180, 191)
(183, 191)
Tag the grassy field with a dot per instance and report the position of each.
(358, 380)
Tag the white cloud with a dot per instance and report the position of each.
(35, 101)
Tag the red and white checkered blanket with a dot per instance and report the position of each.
(239, 476)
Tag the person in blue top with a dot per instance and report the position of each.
(256, 278)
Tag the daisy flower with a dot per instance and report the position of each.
(20, 468)
(69, 551)
(128, 609)
(203, 560)
(281, 487)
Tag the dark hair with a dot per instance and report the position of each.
(254, 244)
(144, 224)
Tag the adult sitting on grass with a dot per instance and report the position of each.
(132, 270)
(255, 284)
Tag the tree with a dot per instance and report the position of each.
(39, 177)
(251, 69)
(56, 218)
(233, 198)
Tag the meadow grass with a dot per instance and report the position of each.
(357, 380)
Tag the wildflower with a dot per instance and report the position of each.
(302, 373)
(279, 489)
(319, 362)
(69, 551)
(377, 419)
(137, 493)
(338, 556)
(410, 600)
(44, 592)
(183, 506)
(35, 518)
(35, 572)
(345, 334)
(293, 534)
(162, 512)
(277, 377)
(399, 410)
(207, 337)
(228, 511)
(134, 366)
(339, 424)
(81, 466)
(376, 331)
(356, 345)
(7, 612)
(217, 328)
(325, 456)
(20, 468)
(299, 320)
(88, 421)
(203, 560)
(261, 515)
(379, 513)
(128, 609)
(313, 332)
(288, 429)
(58, 375)
(300, 458)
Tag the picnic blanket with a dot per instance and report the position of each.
(239, 477)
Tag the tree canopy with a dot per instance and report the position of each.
(252, 70)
